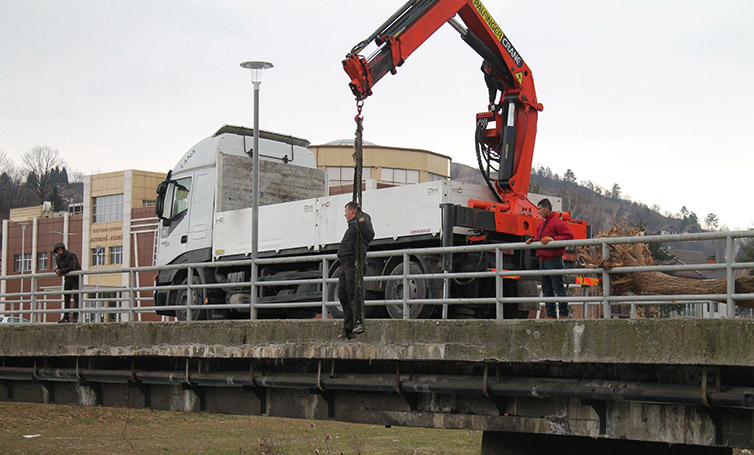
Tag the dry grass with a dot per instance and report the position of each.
(97, 430)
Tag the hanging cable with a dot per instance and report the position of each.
(358, 154)
(358, 162)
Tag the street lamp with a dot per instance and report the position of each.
(256, 69)
(65, 236)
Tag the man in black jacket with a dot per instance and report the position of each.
(359, 232)
(68, 262)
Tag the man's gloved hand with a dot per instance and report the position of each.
(546, 240)
(529, 240)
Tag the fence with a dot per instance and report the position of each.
(36, 302)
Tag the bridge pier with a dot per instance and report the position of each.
(504, 443)
(88, 394)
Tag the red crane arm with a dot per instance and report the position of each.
(507, 148)
(415, 22)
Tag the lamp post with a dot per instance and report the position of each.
(256, 69)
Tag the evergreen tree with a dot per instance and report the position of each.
(569, 177)
(615, 193)
(711, 222)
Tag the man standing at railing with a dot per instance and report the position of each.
(552, 228)
(68, 262)
(355, 240)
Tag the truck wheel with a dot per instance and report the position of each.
(526, 288)
(417, 290)
(181, 298)
(332, 296)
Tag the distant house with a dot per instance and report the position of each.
(668, 230)
(688, 257)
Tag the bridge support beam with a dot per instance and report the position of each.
(503, 443)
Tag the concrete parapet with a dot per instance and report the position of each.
(668, 341)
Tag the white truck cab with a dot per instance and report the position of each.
(203, 181)
(187, 198)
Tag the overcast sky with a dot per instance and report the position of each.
(657, 96)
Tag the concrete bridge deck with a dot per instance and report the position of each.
(618, 385)
(724, 342)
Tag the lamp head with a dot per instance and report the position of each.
(256, 69)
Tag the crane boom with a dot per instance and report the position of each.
(505, 134)
(410, 26)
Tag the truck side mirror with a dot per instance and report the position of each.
(162, 188)
(159, 205)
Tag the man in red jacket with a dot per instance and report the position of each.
(552, 228)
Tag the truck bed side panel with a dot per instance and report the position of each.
(313, 224)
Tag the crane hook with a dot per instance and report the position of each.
(359, 105)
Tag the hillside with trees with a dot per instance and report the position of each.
(600, 206)
(43, 176)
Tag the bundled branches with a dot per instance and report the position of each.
(651, 283)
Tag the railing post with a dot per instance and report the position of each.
(730, 253)
(586, 303)
(131, 295)
(33, 298)
(253, 291)
(189, 293)
(80, 293)
(406, 294)
(445, 295)
(498, 283)
(605, 282)
(325, 287)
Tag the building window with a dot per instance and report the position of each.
(108, 208)
(76, 208)
(399, 176)
(116, 255)
(23, 262)
(431, 177)
(42, 261)
(340, 175)
(98, 256)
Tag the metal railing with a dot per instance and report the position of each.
(36, 302)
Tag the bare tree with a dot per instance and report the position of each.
(43, 173)
(75, 176)
(4, 162)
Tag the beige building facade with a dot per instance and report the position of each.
(112, 197)
(383, 166)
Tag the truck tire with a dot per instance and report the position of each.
(418, 289)
(181, 297)
(527, 288)
(336, 311)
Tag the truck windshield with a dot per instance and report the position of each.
(179, 197)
